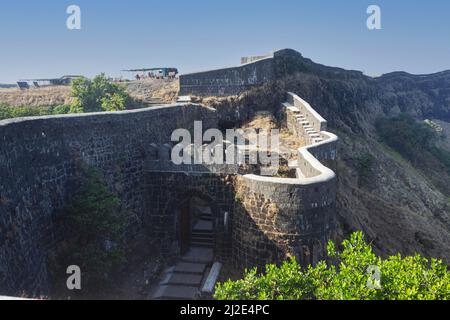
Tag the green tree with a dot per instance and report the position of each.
(97, 95)
(404, 134)
(7, 112)
(365, 167)
(94, 224)
(351, 277)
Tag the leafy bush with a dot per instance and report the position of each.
(443, 156)
(7, 112)
(365, 166)
(93, 223)
(403, 133)
(94, 95)
(418, 143)
(351, 277)
(64, 109)
(97, 95)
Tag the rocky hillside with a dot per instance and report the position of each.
(153, 91)
(402, 206)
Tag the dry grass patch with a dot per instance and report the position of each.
(35, 97)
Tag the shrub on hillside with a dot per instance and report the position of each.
(365, 165)
(406, 135)
(97, 95)
(418, 142)
(7, 112)
(353, 276)
(93, 224)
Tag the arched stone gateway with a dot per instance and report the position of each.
(196, 222)
(172, 215)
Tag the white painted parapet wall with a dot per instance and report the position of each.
(303, 215)
(299, 117)
(315, 119)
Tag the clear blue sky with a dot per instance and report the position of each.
(201, 34)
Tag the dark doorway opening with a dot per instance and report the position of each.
(196, 227)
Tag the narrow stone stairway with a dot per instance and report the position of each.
(202, 232)
(184, 280)
(305, 125)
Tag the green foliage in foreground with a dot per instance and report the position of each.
(94, 224)
(7, 112)
(352, 277)
(98, 95)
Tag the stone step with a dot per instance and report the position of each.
(189, 267)
(171, 292)
(199, 255)
(201, 233)
(203, 210)
(201, 240)
(181, 279)
(203, 225)
(205, 236)
(202, 244)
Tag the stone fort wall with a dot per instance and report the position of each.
(282, 217)
(39, 155)
(228, 81)
(257, 219)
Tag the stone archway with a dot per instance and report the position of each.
(170, 193)
(196, 225)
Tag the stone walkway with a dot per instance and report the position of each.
(184, 280)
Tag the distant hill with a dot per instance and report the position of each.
(7, 85)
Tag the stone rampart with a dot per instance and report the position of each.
(39, 155)
(256, 219)
(280, 217)
(228, 81)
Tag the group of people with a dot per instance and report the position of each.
(152, 75)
